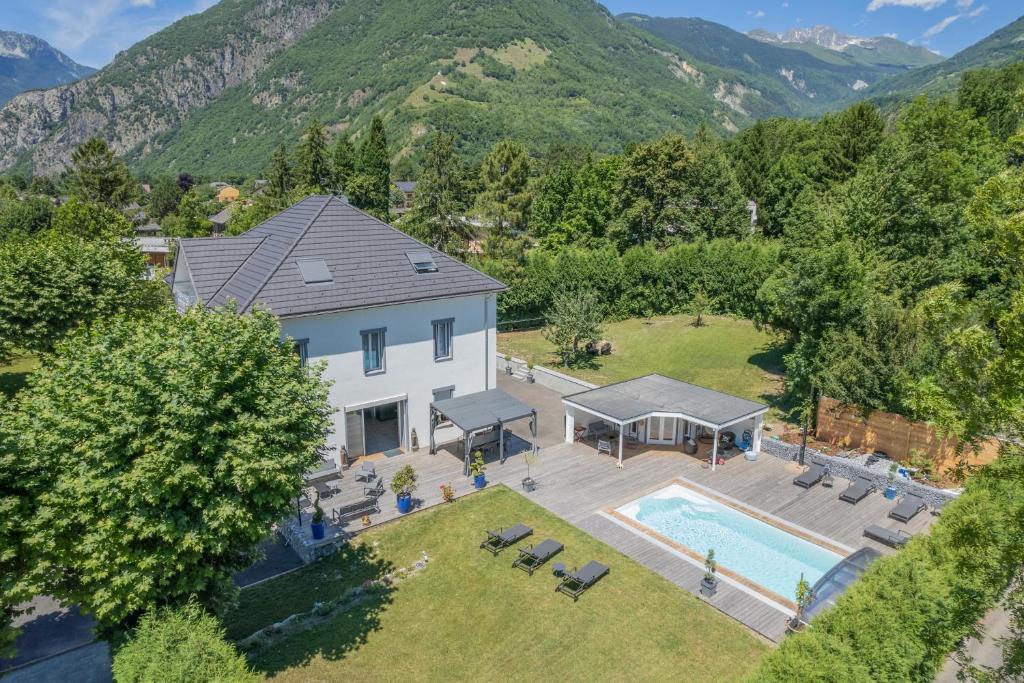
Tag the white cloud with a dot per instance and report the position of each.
(891, 35)
(91, 31)
(785, 5)
(941, 26)
(977, 11)
(757, 14)
(964, 4)
(926, 5)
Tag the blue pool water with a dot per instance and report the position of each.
(763, 553)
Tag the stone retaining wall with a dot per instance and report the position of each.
(849, 469)
(552, 379)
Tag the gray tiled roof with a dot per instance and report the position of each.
(636, 398)
(366, 257)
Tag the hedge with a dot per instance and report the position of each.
(910, 610)
(642, 281)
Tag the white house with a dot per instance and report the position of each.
(398, 324)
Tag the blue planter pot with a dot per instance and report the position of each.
(480, 481)
(318, 530)
(890, 492)
(404, 502)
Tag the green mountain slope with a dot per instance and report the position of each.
(1002, 47)
(214, 93)
(796, 80)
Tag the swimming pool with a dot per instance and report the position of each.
(760, 552)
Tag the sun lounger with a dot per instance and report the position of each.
(575, 582)
(497, 541)
(811, 476)
(532, 557)
(908, 507)
(891, 537)
(858, 489)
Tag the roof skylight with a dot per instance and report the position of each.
(314, 270)
(422, 261)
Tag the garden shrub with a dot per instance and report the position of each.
(180, 645)
(910, 610)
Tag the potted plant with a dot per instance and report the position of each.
(803, 596)
(890, 490)
(508, 364)
(317, 525)
(529, 373)
(709, 584)
(403, 484)
(477, 469)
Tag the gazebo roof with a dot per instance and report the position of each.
(482, 409)
(637, 398)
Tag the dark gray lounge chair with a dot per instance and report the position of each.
(891, 537)
(497, 541)
(575, 582)
(858, 489)
(532, 557)
(908, 508)
(811, 476)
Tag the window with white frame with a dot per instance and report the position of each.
(302, 351)
(373, 351)
(443, 339)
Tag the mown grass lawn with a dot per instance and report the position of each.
(13, 375)
(470, 616)
(726, 354)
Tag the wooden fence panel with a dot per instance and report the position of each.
(897, 436)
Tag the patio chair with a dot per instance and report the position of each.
(497, 541)
(746, 441)
(895, 538)
(376, 491)
(604, 446)
(575, 582)
(908, 508)
(858, 490)
(811, 476)
(366, 472)
(532, 557)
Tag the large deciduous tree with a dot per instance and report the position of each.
(652, 194)
(439, 205)
(189, 220)
(164, 198)
(98, 175)
(55, 281)
(185, 645)
(90, 220)
(154, 453)
(715, 205)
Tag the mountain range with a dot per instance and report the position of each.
(215, 92)
(28, 62)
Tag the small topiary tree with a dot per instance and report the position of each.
(181, 645)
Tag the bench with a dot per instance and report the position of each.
(355, 510)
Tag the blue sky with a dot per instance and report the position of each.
(93, 31)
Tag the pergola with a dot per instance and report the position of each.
(474, 413)
(655, 395)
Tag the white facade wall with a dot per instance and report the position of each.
(409, 366)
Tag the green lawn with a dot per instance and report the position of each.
(14, 374)
(470, 616)
(726, 354)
